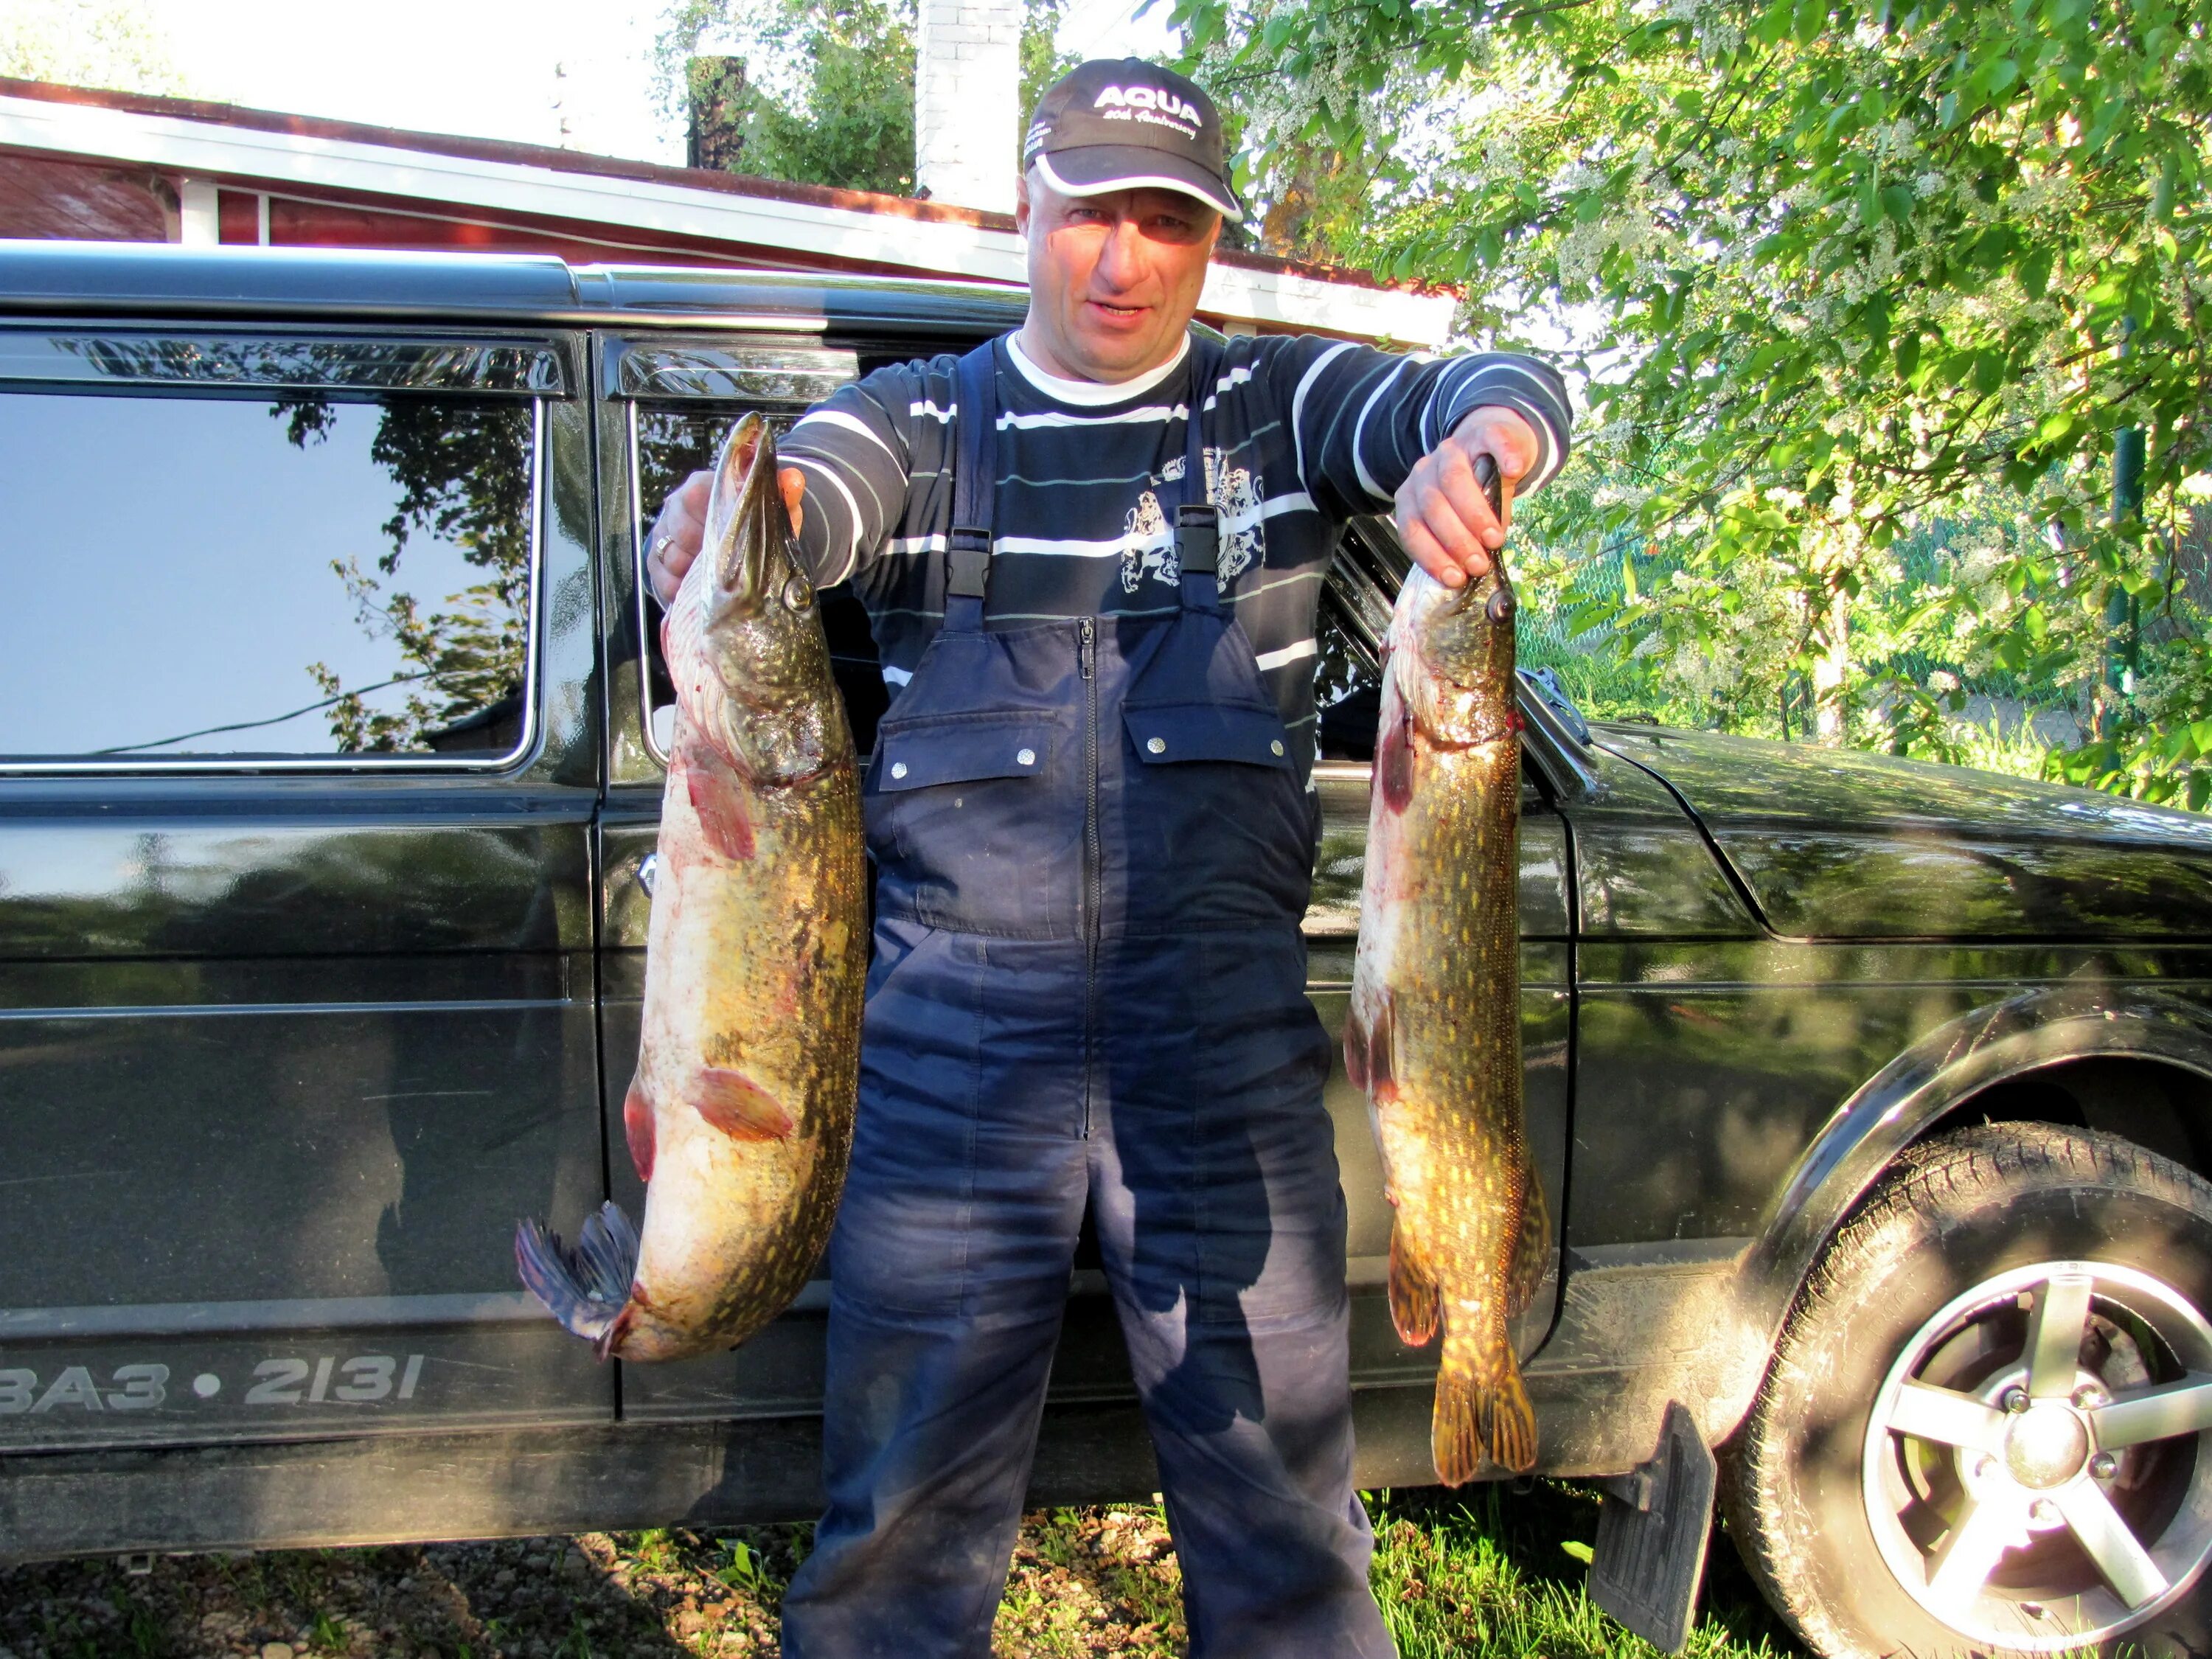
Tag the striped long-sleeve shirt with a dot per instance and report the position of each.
(1299, 434)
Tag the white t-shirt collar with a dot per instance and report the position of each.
(1094, 393)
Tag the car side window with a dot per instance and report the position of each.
(208, 573)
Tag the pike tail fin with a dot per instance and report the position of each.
(1416, 1303)
(1482, 1414)
(585, 1288)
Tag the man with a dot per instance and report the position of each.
(1089, 811)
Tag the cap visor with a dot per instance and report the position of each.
(1094, 169)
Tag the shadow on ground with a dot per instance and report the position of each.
(544, 1598)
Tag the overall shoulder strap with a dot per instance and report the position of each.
(1198, 536)
(975, 478)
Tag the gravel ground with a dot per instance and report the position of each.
(1097, 1581)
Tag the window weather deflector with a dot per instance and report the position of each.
(1360, 585)
(725, 370)
(118, 357)
(1546, 738)
(1545, 682)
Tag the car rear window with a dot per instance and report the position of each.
(219, 577)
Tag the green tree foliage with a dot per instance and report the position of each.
(1868, 292)
(830, 98)
(87, 43)
(1042, 61)
(830, 93)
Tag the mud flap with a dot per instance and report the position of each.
(1652, 1529)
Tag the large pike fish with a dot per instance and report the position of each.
(1434, 1035)
(741, 1116)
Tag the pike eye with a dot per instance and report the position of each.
(799, 593)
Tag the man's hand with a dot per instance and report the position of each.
(1441, 514)
(673, 543)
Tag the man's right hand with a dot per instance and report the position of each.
(673, 542)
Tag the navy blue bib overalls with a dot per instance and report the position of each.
(1093, 851)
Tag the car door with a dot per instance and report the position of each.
(296, 792)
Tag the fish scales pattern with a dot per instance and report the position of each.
(740, 1117)
(1461, 982)
(1434, 1035)
(752, 969)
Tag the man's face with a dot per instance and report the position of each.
(1113, 279)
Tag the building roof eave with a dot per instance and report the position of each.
(883, 231)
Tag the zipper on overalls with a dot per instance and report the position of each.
(1093, 899)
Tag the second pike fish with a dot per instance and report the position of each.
(1434, 1035)
(740, 1119)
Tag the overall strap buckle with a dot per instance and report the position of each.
(1197, 525)
(1198, 538)
(974, 480)
(967, 562)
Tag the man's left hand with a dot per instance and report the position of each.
(1442, 516)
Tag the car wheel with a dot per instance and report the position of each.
(1985, 1427)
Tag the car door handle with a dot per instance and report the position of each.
(648, 868)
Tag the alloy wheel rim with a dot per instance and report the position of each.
(2038, 1465)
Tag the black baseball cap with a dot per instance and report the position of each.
(1128, 125)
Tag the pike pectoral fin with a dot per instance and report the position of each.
(739, 1107)
(1370, 1052)
(1394, 761)
(1532, 1250)
(587, 1288)
(1483, 1414)
(1370, 1057)
(720, 808)
(1415, 1301)
(1355, 1053)
(637, 1128)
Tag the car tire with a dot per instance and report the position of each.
(1928, 1469)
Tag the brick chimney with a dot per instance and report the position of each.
(967, 102)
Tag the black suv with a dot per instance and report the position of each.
(1872, 1097)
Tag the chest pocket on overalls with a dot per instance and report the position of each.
(1214, 795)
(958, 807)
(1168, 733)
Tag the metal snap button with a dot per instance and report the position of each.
(1026, 757)
(1274, 745)
(1157, 745)
(898, 769)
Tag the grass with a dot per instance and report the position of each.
(1500, 1573)
(1488, 1572)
